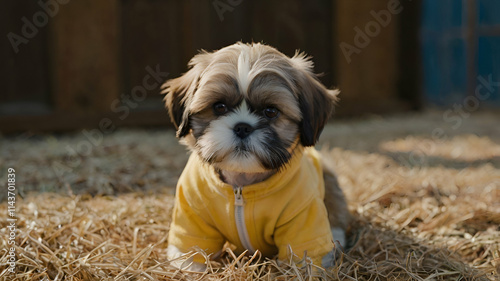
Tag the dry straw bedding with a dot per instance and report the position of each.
(425, 208)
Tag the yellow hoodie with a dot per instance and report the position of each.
(286, 210)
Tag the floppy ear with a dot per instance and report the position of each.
(180, 91)
(315, 101)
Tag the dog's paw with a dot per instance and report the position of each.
(181, 260)
(339, 238)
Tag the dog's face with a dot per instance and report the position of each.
(246, 108)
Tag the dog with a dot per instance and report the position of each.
(251, 116)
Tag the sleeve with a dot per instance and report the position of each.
(307, 231)
(188, 229)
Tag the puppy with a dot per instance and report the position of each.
(251, 116)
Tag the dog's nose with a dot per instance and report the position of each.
(243, 130)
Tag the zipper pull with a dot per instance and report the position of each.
(238, 196)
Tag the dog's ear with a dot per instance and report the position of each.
(316, 102)
(180, 91)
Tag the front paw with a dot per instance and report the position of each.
(339, 238)
(183, 260)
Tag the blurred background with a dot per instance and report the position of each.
(415, 142)
(70, 64)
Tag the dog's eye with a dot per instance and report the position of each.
(219, 108)
(271, 112)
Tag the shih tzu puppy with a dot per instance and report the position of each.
(251, 116)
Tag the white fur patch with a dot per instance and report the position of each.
(238, 163)
(179, 260)
(219, 140)
(242, 115)
(243, 71)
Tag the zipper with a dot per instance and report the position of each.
(239, 216)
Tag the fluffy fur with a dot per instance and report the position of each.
(280, 102)
(248, 78)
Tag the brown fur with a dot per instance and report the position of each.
(285, 83)
(203, 84)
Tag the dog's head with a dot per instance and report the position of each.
(247, 107)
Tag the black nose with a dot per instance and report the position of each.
(243, 130)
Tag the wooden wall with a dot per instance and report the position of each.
(84, 64)
(378, 66)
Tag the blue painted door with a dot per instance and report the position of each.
(461, 52)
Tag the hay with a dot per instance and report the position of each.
(425, 209)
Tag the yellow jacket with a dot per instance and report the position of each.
(285, 210)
